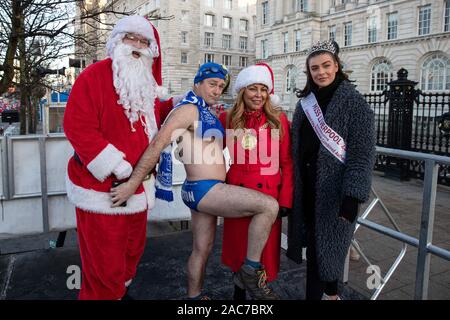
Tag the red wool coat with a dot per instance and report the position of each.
(277, 183)
(100, 133)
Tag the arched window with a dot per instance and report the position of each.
(290, 80)
(435, 73)
(381, 74)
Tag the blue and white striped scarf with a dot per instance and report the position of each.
(163, 182)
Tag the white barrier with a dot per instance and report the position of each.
(32, 193)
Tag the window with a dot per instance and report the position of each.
(301, 5)
(424, 19)
(226, 60)
(288, 87)
(243, 42)
(332, 33)
(447, 16)
(264, 49)
(436, 73)
(184, 15)
(243, 25)
(184, 58)
(209, 39)
(291, 75)
(265, 12)
(243, 62)
(285, 42)
(226, 23)
(226, 41)
(381, 74)
(348, 34)
(209, 20)
(228, 4)
(209, 57)
(298, 40)
(184, 37)
(372, 29)
(210, 3)
(392, 26)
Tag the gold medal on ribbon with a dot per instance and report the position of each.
(249, 141)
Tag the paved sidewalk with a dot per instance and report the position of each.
(42, 274)
(404, 201)
(29, 270)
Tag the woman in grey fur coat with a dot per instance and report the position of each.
(330, 182)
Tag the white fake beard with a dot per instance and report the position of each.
(135, 84)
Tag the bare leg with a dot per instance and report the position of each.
(235, 202)
(203, 233)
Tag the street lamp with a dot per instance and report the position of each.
(444, 124)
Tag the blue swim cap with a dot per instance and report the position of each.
(211, 70)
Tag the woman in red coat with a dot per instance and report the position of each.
(259, 147)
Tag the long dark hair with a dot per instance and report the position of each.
(309, 80)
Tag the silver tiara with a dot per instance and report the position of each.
(326, 45)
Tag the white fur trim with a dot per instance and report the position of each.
(134, 24)
(161, 92)
(100, 202)
(275, 100)
(123, 170)
(105, 162)
(149, 188)
(251, 75)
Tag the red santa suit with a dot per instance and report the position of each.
(111, 240)
(251, 171)
(278, 185)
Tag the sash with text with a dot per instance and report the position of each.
(329, 138)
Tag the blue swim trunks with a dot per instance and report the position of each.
(193, 191)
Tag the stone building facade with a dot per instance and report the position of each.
(376, 39)
(195, 31)
(91, 34)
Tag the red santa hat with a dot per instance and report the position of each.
(259, 73)
(141, 25)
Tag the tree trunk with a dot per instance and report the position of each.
(23, 77)
(32, 115)
(8, 63)
(33, 110)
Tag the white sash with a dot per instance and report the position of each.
(329, 138)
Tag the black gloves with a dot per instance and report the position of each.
(284, 212)
(349, 209)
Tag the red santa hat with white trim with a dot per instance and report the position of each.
(141, 25)
(259, 73)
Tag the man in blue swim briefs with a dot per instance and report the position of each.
(199, 135)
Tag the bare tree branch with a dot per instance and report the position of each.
(36, 33)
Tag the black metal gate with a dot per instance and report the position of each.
(408, 119)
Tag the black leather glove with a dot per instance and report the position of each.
(349, 209)
(284, 212)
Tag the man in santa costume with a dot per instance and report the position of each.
(112, 113)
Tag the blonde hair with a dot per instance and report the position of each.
(235, 116)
